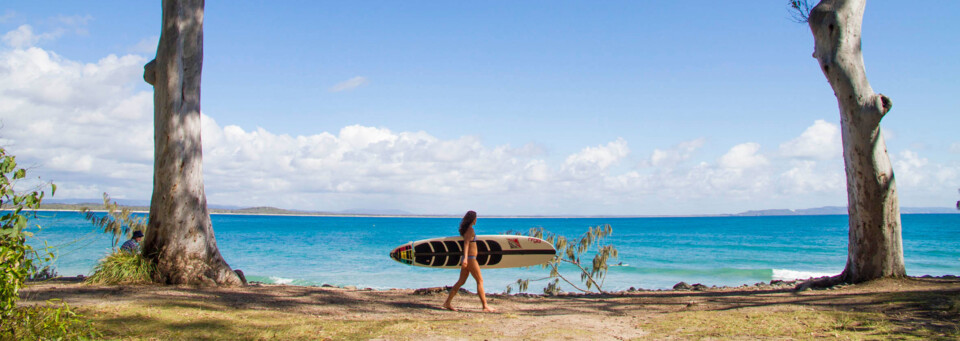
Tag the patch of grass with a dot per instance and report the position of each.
(802, 324)
(197, 320)
(53, 321)
(122, 268)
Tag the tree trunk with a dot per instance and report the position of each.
(179, 237)
(875, 246)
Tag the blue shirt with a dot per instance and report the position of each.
(130, 246)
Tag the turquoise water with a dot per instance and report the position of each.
(656, 252)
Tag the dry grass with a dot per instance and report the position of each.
(190, 320)
(890, 309)
(771, 324)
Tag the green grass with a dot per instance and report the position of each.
(53, 321)
(197, 320)
(122, 268)
(794, 324)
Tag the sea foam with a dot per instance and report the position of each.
(789, 275)
(281, 280)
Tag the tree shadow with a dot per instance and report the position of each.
(921, 307)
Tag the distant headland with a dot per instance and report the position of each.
(144, 206)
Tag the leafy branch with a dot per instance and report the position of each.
(800, 10)
(592, 276)
(118, 221)
(15, 265)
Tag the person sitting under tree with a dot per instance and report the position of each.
(133, 245)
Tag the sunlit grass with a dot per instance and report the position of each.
(53, 320)
(793, 324)
(192, 320)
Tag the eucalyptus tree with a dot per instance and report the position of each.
(179, 238)
(875, 247)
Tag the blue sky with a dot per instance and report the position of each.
(505, 108)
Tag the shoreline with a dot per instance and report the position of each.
(682, 286)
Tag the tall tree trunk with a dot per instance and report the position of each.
(875, 246)
(180, 238)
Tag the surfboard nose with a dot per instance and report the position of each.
(395, 254)
(403, 254)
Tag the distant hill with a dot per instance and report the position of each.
(122, 202)
(144, 206)
(841, 210)
(368, 211)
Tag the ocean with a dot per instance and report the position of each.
(655, 253)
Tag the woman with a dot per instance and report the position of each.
(468, 264)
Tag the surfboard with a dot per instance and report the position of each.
(493, 252)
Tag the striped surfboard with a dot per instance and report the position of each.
(493, 252)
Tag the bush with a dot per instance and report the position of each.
(118, 221)
(50, 322)
(122, 267)
(592, 276)
(16, 257)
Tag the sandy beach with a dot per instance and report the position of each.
(913, 307)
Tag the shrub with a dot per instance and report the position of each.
(122, 267)
(49, 322)
(592, 276)
(118, 221)
(16, 257)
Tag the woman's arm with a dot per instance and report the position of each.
(467, 238)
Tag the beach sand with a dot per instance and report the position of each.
(921, 307)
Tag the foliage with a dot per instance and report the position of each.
(122, 268)
(800, 10)
(118, 221)
(16, 261)
(43, 274)
(50, 322)
(572, 253)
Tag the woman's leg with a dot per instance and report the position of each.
(474, 268)
(456, 288)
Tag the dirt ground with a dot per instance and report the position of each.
(909, 304)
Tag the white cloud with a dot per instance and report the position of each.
(743, 156)
(349, 84)
(146, 46)
(807, 176)
(7, 16)
(918, 178)
(593, 160)
(676, 154)
(955, 147)
(821, 141)
(81, 123)
(909, 168)
(73, 20)
(23, 37)
(87, 127)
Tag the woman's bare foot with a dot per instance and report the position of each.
(448, 307)
(489, 310)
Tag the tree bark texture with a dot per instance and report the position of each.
(875, 248)
(179, 237)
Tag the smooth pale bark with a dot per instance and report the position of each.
(875, 248)
(180, 238)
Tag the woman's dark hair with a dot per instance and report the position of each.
(467, 220)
